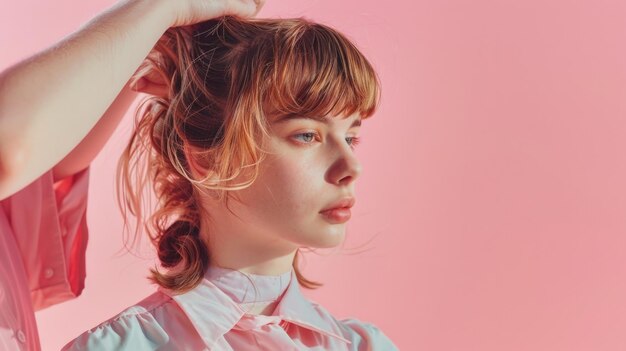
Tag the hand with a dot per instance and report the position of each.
(148, 83)
(187, 12)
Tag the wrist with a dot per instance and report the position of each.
(162, 11)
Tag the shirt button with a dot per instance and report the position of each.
(48, 273)
(20, 336)
(63, 231)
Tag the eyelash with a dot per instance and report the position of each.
(354, 140)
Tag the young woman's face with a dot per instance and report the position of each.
(311, 167)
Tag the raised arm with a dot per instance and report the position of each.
(51, 101)
(82, 155)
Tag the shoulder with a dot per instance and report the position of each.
(362, 335)
(139, 327)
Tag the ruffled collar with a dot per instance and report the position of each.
(246, 288)
(213, 311)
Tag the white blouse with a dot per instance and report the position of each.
(213, 316)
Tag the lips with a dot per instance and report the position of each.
(343, 203)
(337, 215)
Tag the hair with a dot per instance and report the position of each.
(226, 79)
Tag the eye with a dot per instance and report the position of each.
(306, 137)
(353, 141)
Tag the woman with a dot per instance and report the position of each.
(57, 109)
(249, 150)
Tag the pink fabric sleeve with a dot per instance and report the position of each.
(49, 224)
(367, 337)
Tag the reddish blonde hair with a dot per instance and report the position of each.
(227, 78)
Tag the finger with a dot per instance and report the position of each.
(259, 5)
(156, 89)
(241, 8)
(137, 85)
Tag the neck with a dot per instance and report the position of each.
(247, 264)
(250, 253)
(242, 246)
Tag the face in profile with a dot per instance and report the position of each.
(310, 167)
(309, 164)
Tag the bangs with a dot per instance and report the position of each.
(315, 71)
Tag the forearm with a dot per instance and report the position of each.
(50, 102)
(83, 154)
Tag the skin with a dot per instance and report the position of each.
(302, 174)
(279, 212)
(90, 71)
(63, 128)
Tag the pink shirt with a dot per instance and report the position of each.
(213, 316)
(43, 236)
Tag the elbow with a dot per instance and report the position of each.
(5, 177)
(12, 146)
(11, 165)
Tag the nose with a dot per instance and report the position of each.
(346, 168)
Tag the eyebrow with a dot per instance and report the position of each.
(355, 123)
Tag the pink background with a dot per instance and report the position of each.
(494, 191)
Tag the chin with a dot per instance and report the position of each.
(327, 240)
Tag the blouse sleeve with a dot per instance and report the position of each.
(48, 220)
(366, 336)
(131, 332)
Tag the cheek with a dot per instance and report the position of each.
(293, 184)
